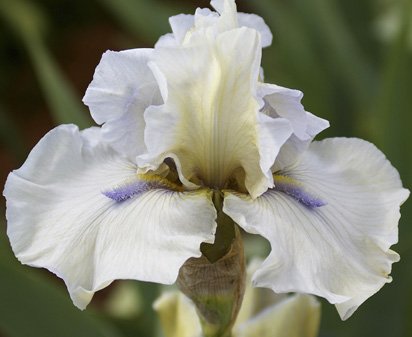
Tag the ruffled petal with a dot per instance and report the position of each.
(78, 209)
(226, 18)
(290, 152)
(123, 87)
(228, 14)
(219, 5)
(273, 133)
(283, 102)
(229, 19)
(180, 25)
(210, 120)
(167, 40)
(330, 220)
(256, 22)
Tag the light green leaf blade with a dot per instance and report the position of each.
(32, 305)
(145, 19)
(28, 23)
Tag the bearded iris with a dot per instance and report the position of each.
(184, 122)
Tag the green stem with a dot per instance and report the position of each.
(225, 232)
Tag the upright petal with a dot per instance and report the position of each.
(123, 87)
(181, 24)
(290, 152)
(210, 120)
(228, 14)
(226, 18)
(78, 209)
(284, 102)
(338, 248)
(256, 22)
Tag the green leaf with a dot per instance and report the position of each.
(28, 23)
(11, 136)
(393, 104)
(292, 60)
(343, 54)
(65, 105)
(32, 305)
(146, 19)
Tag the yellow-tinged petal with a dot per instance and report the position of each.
(210, 123)
(295, 316)
(177, 315)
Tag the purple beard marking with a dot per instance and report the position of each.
(298, 193)
(129, 190)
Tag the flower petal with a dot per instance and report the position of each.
(256, 22)
(123, 87)
(283, 102)
(229, 19)
(228, 14)
(205, 18)
(290, 153)
(180, 25)
(62, 217)
(340, 250)
(273, 133)
(255, 300)
(210, 118)
(177, 315)
(294, 316)
(167, 40)
(219, 5)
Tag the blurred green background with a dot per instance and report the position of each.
(352, 59)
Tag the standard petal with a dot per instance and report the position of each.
(78, 209)
(228, 14)
(167, 40)
(256, 22)
(338, 248)
(290, 152)
(273, 133)
(210, 120)
(123, 87)
(205, 18)
(219, 5)
(180, 25)
(284, 102)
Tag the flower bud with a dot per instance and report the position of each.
(216, 288)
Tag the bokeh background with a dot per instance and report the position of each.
(352, 59)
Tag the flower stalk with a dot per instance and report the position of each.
(215, 282)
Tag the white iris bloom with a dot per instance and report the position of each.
(132, 199)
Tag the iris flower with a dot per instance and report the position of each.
(184, 122)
